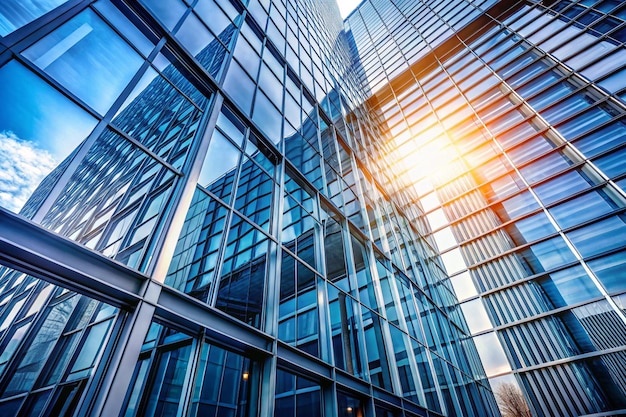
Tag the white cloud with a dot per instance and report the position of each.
(22, 167)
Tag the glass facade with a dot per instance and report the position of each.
(508, 135)
(248, 208)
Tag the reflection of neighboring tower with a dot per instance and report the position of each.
(51, 340)
(113, 200)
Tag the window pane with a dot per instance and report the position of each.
(230, 397)
(568, 287)
(168, 11)
(476, 316)
(87, 57)
(242, 285)
(581, 209)
(34, 136)
(16, 13)
(611, 271)
(220, 166)
(239, 86)
(197, 250)
(599, 237)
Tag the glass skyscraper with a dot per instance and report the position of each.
(506, 123)
(250, 208)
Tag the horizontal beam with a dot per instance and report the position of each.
(185, 311)
(29, 248)
(312, 367)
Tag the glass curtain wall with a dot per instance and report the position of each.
(212, 225)
(518, 123)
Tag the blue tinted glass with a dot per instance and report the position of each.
(92, 346)
(195, 256)
(335, 254)
(375, 347)
(562, 186)
(223, 382)
(599, 237)
(160, 117)
(348, 406)
(267, 116)
(603, 139)
(239, 86)
(168, 11)
(220, 166)
(585, 122)
(246, 55)
(171, 376)
(65, 350)
(10, 408)
(34, 134)
(611, 271)
(516, 206)
(214, 17)
(614, 164)
(121, 23)
(40, 348)
(231, 126)
(194, 35)
(242, 284)
(11, 347)
(530, 229)
(120, 226)
(581, 209)
(549, 254)
(298, 231)
(309, 404)
(254, 194)
(346, 333)
(569, 286)
(16, 13)
(546, 166)
(89, 58)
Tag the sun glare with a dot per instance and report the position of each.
(427, 161)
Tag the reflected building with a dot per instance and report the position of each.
(231, 207)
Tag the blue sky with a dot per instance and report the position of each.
(34, 133)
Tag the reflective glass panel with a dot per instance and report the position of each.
(156, 388)
(220, 166)
(224, 382)
(89, 58)
(35, 139)
(345, 330)
(59, 348)
(611, 271)
(476, 316)
(242, 284)
(599, 237)
(168, 11)
(160, 117)
(255, 191)
(491, 354)
(196, 254)
(569, 286)
(114, 200)
(297, 396)
(298, 310)
(16, 13)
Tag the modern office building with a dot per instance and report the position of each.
(248, 208)
(508, 126)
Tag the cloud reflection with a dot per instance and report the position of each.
(22, 167)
